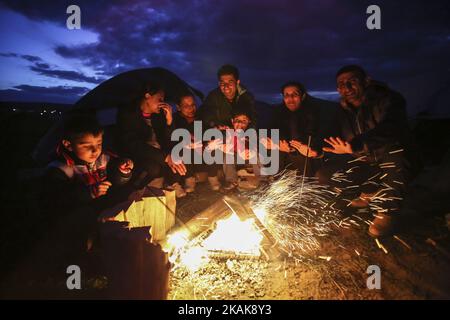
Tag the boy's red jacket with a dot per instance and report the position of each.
(77, 180)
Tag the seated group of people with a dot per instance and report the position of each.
(367, 137)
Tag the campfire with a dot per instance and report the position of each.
(241, 236)
(228, 229)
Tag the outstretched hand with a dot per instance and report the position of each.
(269, 144)
(303, 149)
(176, 166)
(338, 146)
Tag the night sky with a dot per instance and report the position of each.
(270, 41)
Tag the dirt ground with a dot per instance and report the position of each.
(415, 269)
(415, 266)
(420, 272)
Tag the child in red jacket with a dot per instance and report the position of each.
(83, 173)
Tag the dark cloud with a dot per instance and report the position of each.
(9, 55)
(60, 94)
(31, 58)
(43, 68)
(271, 42)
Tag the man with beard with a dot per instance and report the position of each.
(217, 110)
(373, 146)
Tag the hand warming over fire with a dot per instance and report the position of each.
(269, 144)
(215, 144)
(101, 189)
(247, 154)
(176, 166)
(338, 146)
(303, 149)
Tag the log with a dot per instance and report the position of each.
(222, 209)
(135, 267)
(149, 207)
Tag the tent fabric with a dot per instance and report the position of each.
(105, 99)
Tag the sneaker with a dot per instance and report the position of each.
(249, 184)
(179, 191)
(363, 200)
(381, 226)
(230, 186)
(247, 172)
(189, 184)
(201, 176)
(214, 183)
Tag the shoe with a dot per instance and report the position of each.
(214, 183)
(179, 191)
(249, 184)
(381, 226)
(201, 176)
(189, 184)
(363, 200)
(230, 186)
(246, 172)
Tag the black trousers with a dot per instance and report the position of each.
(296, 161)
(146, 170)
(392, 174)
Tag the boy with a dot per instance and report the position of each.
(82, 174)
(237, 145)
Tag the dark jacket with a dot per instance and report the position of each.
(311, 119)
(217, 110)
(134, 132)
(179, 122)
(379, 125)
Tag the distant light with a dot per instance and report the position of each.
(14, 109)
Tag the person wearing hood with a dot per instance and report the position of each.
(218, 107)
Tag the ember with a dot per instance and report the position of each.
(244, 233)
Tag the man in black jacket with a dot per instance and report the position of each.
(143, 134)
(298, 121)
(374, 145)
(217, 110)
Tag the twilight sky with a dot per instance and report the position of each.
(270, 41)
